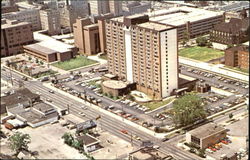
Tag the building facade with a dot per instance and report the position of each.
(191, 21)
(236, 31)
(206, 135)
(14, 35)
(115, 7)
(237, 56)
(29, 15)
(91, 39)
(79, 33)
(51, 50)
(144, 53)
(50, 21)
(99, 7)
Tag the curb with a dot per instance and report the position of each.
(160, 107)
(229, 109)
(91, 65)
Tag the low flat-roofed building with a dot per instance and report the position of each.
(20, 97)
(206, 135)
(90, 143)
(114, 87)
(147, 153)
(187, 82)
(51, 50)
(36, 115)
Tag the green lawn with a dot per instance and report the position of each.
(201, 53)
(154, 105)
(73, 63)
(238, 69)
(50, 72)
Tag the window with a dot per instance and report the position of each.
(195, 140)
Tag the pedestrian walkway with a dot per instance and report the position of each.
(98, 59)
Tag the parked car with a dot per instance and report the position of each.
(51, 91)
(124, 131)
(165, 139)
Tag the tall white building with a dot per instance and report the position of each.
(50, 21)
(99, 7)
(143, 52)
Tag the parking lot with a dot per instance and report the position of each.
(237, 140)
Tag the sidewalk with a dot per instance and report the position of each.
(218, 69)
(96, 58)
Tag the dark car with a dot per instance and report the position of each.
(165, 139)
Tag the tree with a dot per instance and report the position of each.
(41, 62)
(37, 61)
(7, 63)
(19, 142)
(201, 41)
(188, 109)
(185, 38)
(230, 115)
(29, 58)
(68, 138)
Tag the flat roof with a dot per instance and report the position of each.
(114, 84)
(50, 46)
(186, 77)
(91, 25)
(177, 16)
(41, 49)
(16, 24)
(118, 19)
(88, 140)
(43, 107)
(206, 130)
(154, 26)
(32, 116)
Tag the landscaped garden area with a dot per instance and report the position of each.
(79, 61)
(154, 105)
(201, 53)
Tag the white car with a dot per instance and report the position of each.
(82, 114)
(156, 147)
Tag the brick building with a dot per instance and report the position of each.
(51, 50)
(8, 7)
(237, 56)
(91, 39)
(206, 135)
(144, 53)
(14, 35)
(194, 21)
(79, 32)
(236, 31)
(29, 15)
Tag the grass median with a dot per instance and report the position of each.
(203, 54)
(77, 62)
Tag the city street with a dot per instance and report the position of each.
(106, 122)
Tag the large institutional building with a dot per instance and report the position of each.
(50, 21)
(29, 15)
(14, 35)
(143, 52)
(194, 21)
